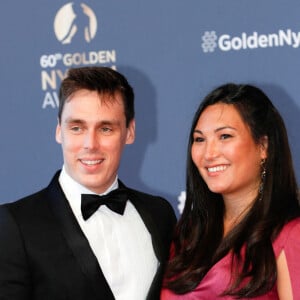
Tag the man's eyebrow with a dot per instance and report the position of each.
(99, 123)
(74, 120)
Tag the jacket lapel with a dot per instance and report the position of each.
(160, 246)
(151, 225)
(77, 241)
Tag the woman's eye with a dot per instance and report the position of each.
(225, 136)
(198, 139)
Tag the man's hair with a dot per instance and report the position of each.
(104, 80)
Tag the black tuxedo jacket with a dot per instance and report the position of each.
(44, 255)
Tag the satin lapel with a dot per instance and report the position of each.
(77, 241)
(149, 222)
(157, 242)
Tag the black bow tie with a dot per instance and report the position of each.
(115, 200)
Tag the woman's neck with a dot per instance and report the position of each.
(236, 207)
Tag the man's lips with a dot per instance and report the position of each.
(90, 162)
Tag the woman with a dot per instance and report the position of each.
(239, 234)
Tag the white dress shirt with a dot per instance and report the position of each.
(121, 243)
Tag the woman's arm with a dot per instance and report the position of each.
(284, 287)
(288, 263)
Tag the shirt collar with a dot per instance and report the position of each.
(73, 190)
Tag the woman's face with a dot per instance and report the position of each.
(225, 153)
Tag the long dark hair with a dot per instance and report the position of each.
(199, 243)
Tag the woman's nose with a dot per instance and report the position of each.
(211, 150)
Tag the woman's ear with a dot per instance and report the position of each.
(264, 142)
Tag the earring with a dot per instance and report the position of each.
(262, 176)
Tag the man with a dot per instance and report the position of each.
(59, 243)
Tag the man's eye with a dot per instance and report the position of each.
(106, 129)
(76, 128)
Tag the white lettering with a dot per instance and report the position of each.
(50, 99)
(67, 59)
(236, 43)
(111, 56)
(90, 58)
(48, 79)
(93, 57)
(285, 37)
(78, 59)
(243, 41)
(253, 41)
(273, 40)
(262, 41)
(51, 60)
(61, 75)
(224, 42)
(296, 39)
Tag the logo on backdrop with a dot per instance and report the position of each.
(249, 41)
(74, 24)
(72, 20)
(181, 201)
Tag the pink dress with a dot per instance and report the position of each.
(217, 278)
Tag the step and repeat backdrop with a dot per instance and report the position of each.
(172, 52)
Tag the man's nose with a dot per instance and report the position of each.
(91, 140)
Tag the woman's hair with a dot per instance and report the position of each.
(199, 243)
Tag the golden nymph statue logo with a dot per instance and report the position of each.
(75, 21)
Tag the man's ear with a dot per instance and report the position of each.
(58, 132)
(130, 132)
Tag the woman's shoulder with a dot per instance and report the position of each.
(289, 236)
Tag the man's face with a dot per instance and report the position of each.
(92, 133)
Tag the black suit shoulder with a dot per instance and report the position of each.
(158, 216)
(45, 251)
(154, 203)
(17, 219)
(33, 215)
(27, 206)
(159, 208)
